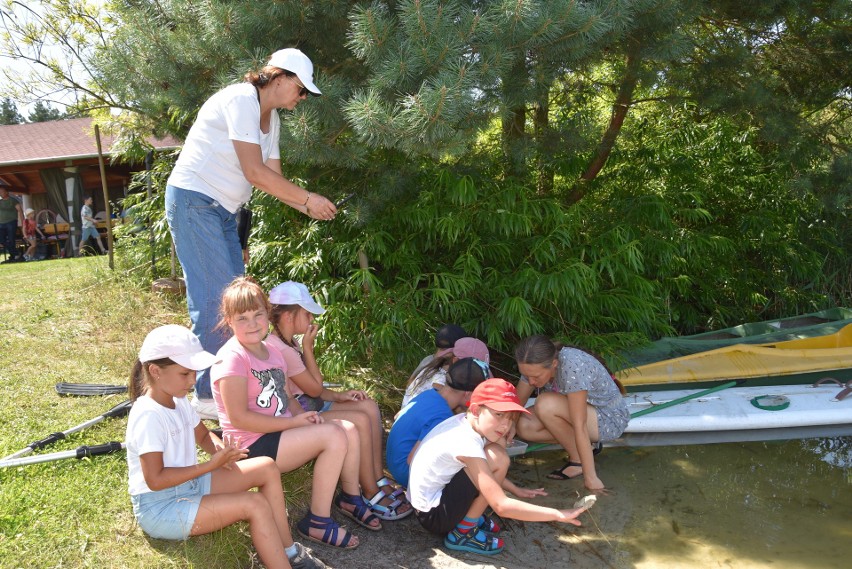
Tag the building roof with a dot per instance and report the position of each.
(59, 140)
(25, 149)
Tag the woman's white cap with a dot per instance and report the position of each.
(28, 211)
(178, 344)
(291, 292)
(293, 60)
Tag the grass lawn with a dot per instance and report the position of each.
(74, 320)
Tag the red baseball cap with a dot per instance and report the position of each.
(497, 394)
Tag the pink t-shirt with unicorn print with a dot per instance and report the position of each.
(268, 391)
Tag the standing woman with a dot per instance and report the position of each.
(579, 404)
(232, 146)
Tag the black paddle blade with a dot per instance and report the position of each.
(88, 389)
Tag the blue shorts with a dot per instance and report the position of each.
(170, 513)
(89, 232)
(309, 403)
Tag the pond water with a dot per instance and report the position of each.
(784, 505)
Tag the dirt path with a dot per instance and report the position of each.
(405, 544)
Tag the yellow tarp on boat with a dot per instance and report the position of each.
(802, 356)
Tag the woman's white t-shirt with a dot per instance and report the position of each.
(208, 163)
(154, 428)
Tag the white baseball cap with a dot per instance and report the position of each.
(293, 60)
(178, 344)
(291, 292)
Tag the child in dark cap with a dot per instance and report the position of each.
(445, 338)
(427, 410)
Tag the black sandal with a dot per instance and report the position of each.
(559, 473)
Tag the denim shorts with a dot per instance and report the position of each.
(89, 232)
(170, 513)
(309, 403)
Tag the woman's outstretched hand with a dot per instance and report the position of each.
(319, 207)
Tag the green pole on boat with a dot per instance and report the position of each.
(684, 399)
(537, 446)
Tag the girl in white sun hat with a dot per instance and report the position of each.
(174, 497)
(292, 315)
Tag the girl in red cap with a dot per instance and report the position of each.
(460, 469)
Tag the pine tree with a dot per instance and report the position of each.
(42, 112)
(9, 112)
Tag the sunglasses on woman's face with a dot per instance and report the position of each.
(303, 91)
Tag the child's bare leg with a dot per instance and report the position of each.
(371, 409)
(327, 444)
(361, 422)
(217, 511)
(261, 473)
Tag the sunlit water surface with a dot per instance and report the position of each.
(785, 505)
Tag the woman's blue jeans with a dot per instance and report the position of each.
(208, 248)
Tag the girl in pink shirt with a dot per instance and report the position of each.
(256, 408)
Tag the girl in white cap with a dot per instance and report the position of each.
(255, 404)
(233, 146)
(175, 497)
(292, 315)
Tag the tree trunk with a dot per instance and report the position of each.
(541, 122)
(514, 122)
(619, 112)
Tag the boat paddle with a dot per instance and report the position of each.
(686, 398)
(118, 411)
(679, 400)
(79, 452)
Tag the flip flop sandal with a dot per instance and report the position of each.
(331, 531)
(486, 545)
(361, 514)
(559, 473)
(389, 512)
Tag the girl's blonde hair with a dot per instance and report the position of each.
(242, 295)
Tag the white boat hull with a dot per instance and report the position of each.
(728, 415)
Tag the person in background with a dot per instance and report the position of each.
(31, 234)
(435, 372)
(11, 216)
(89, 226)
(232, 146)
(579, 404)
(174, 496)
(427, 410)
(292, 315)
(460, 469)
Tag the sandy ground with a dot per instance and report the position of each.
(405, 544)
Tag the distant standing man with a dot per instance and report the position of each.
(89, 226)
(232, 146)
(11, 215)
